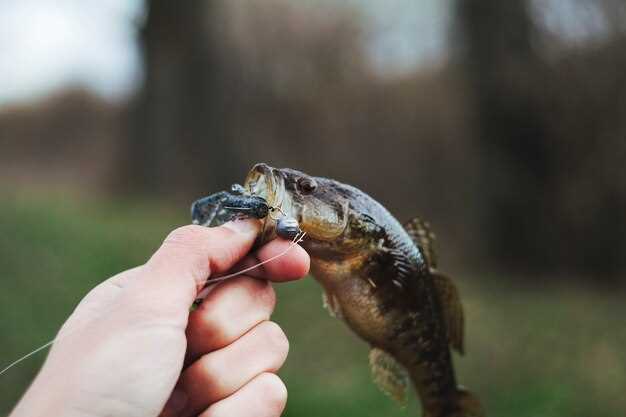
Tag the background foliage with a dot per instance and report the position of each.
(511, 143)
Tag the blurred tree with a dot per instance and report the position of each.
(178, 113)
(494, 42)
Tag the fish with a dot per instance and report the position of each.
(381, 278)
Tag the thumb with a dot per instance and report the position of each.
(170, 280)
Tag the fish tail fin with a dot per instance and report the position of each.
(465, 404)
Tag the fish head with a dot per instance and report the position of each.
(318, 204)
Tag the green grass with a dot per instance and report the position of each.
(553, 351)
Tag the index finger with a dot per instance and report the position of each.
(287, 262)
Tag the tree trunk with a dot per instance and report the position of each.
(494, 41)
(177, 121)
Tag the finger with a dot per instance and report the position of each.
(230, 310)
(169, 281)
(221, 373)
(293, 265)
(264, 396)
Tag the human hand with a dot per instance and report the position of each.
(122, 351)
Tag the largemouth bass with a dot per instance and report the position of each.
(380, 278)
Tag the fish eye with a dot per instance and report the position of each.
(306, 185)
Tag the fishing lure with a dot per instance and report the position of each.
(239, 204)
(224, 206)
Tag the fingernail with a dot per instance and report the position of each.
(243, 226)
(176, 403)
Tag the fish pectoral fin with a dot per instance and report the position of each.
(391, 377)
(331, 304)
(424, 238)
(452, 310)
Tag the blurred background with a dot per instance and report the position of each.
(502, 123)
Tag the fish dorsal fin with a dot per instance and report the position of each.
(449, 298)
(452, 310)
(424, 238)
(391, 377)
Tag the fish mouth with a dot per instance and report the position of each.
(267, 182)
(262, 181)
(324, 221)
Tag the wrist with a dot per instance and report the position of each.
(43, 398)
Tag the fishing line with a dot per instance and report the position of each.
(28, 355)
(297, 239)
(293, 243)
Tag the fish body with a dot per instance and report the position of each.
(379, 277)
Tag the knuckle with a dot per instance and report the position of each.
(249, 299)
(275, 338)
(189, 235)
(208, 317)
(259, 292)
(223, 256)
(184, 248)
(213, 324)
(266, 295)
(205, 247)
(209, 367)
(254, 294)
(273, 393)
(222, 248)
